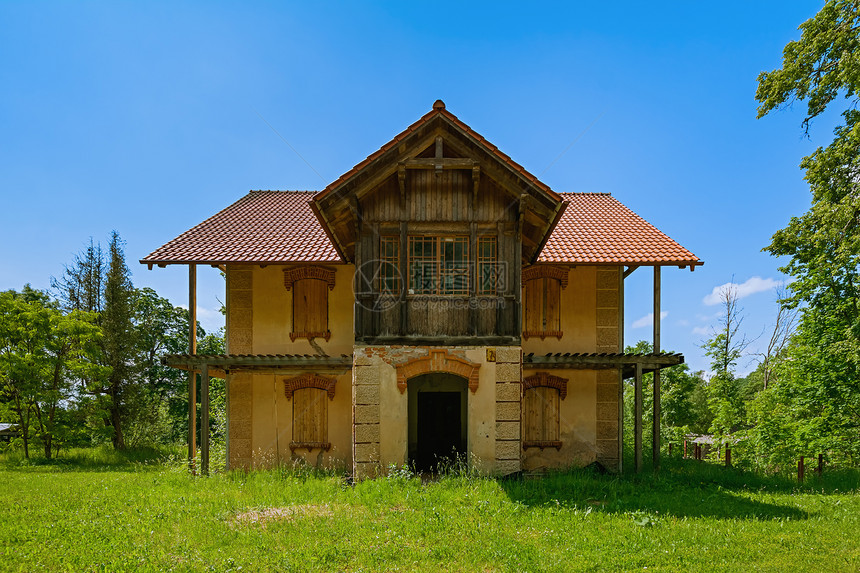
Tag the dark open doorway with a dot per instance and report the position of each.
(437, 420)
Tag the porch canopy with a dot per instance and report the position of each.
(628, 363)
(219, 365)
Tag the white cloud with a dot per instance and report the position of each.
(702, 330)
(648, 319)
(683, 322)
(743, 290)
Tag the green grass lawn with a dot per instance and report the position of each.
(97, 511)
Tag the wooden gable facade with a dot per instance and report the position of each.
(430, 302)
(438, 228)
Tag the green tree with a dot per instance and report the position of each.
(118, 340)
(42, 352)
(820, 384)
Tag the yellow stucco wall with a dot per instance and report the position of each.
(273, 307)
(379, 365)
(577, 424)
(578, 316)
(260, 320)
(272, 429)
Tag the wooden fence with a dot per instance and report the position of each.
(699, 452)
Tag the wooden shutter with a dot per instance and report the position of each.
(533, 308)
(542, 308)
(552, 307)
(310, 309)
(310, 418)
(540, 417)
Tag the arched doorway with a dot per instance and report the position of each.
(438, 419)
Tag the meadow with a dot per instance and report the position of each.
(96, 510)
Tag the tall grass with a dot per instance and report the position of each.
(147, 513)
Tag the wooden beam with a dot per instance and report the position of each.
(192, 376)
(204, 421)
(476, 183)
(655, 452)
(401, 183)
(439, 155)
(404, 277)
(439, 163)
(637, 420)
(474, 278)
(620, 409)
(629, 270)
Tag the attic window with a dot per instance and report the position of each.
(438, 265)
(542, 301)
(389, 269)
(488, 267)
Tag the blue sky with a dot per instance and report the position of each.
(149, 117)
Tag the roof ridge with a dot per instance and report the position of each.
(439, 109)
(604, 193)
(297, 191)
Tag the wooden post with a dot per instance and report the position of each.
(820, 469)
(670, 449)
(655, 450)
(685, 449)
(637, 419)
(800, 470)
(728, 456)
(192, 376)
(204, 420)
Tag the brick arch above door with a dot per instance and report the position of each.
(438, 360)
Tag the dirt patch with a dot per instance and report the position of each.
(288, 513)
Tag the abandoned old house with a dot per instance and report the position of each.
(436, 299)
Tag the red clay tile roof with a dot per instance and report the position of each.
(438, 109)
(279, 227)
(261, 227)
(597, 228)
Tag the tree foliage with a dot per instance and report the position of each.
(86, 368)
(43, 351)
(817, 398)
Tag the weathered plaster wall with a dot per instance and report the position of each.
(577, 425)
(381, 410)
(259, 322)
(273, 308)
(273, 425)
(589, 417)
(578, 316)
(240, 338)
